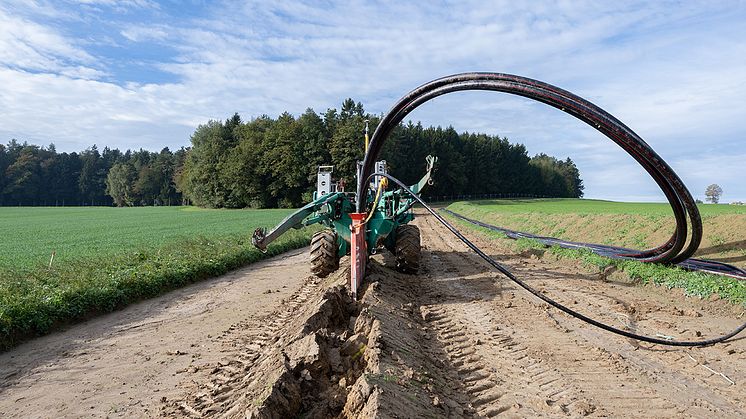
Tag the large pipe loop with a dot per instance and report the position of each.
(685, 210)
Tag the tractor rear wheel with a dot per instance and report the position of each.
(324, 257)
(407, 248)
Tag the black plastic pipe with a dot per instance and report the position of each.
(684, 208)
(552, 302)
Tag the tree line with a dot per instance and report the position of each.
(272, 162)
(34, 175)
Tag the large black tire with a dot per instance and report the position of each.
(324, 257)
(407, 249)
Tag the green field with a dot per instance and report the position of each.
(634, 225)
(31, 234)
(109, 257)
(589, 206)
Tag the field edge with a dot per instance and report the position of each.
(92, 288)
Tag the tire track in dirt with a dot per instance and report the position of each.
(457, 340)
(125, 363)
(222, 391)
(498, 371)
(516, 355)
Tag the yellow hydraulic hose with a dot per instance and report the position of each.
(366, 136)
(381, 185)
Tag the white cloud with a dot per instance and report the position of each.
(674, 73)
(144, 33)
(30, 46)
(120, 5)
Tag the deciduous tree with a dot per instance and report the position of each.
(713, 193)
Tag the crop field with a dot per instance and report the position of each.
(589, 206)
(31, 234)
(636, 225)
(106, 258)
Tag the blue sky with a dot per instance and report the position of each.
(141, 73)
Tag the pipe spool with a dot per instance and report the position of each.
(675, 250)
(685, 210)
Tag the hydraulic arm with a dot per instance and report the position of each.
(332, 209)
(261, 239)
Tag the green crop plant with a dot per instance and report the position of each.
(107, 258)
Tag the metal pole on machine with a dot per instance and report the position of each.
(358, 244)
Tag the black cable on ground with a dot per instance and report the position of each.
(685, 210)
(614, 252)
(546, 299)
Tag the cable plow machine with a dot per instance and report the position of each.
(359, 223)
(383, 224)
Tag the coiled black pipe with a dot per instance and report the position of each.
(674, 250)
(548, 300)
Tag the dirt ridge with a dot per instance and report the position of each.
(298, 363)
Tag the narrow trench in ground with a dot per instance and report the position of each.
(322, 363)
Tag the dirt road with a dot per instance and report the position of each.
(457, 340)
(513, 354)
(125, 363)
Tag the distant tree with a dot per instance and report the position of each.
(148, 185)
(314, 143)
(203, 166)
(244, 172)
(164, 165)
(270, 162)
(346, 142)
(713, 193)
(350, 109)
(92, 179)
(4, 163)
(23, 177)
(64, 182)
(179, 175)
(119, 184)
(284, 161)
(559, 178)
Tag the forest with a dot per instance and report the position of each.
(271, 162)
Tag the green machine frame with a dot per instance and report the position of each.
(390, 209)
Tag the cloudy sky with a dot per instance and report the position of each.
(140, 73)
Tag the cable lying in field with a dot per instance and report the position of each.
(614, 252)
(685, 211)
(548, 300)
(679, 246)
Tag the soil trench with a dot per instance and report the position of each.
(456, 340)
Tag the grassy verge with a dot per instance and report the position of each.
(625, 224)
(36, 300)
(693, 283)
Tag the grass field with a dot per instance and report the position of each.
(636, 225)
(109, 257)
(31, 234)
(590, 206)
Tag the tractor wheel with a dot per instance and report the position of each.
(324, 258)
(407, 248)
